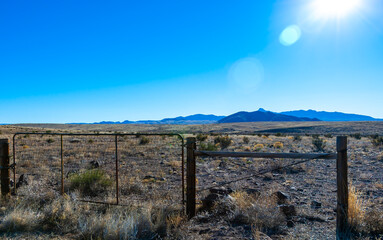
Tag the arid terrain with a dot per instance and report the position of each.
(295, 202)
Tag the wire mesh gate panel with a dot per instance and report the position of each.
(103, 168)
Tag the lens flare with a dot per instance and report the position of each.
(246, 74)
(290, 35)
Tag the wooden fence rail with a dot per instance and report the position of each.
(341, 163)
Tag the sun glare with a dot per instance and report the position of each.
(334, 8)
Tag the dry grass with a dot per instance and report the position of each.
(356, 208)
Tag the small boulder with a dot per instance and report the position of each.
(22, 181)
(94, 164)
(288, 210)
(316, 204)
(221, 190)
(281, 197)
(75, 140)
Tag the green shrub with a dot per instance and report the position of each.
(246, 140)
(90, 182)
(357, 136)
(201, 137)
(297, 138)
(328, 135)
(50, 140)
(144, 140)
(278, 134)
(208, 147)
(319, 144)
(223, 141)
(377, 141)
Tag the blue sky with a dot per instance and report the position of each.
(88, 61)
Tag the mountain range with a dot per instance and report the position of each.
(261, 115)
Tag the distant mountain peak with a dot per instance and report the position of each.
(262, 110)
(263, 116)
(330, 116)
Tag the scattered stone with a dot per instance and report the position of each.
(203, 231)
(281, 197)
(290, 223)
(288, 210)
(268, 177)
(222, 164)
(252, 191)
(149, 177)
(22, 181)
(221, 190)
(75, 140)
(316, 204)
(94, 164)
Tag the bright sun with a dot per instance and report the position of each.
(334, 8)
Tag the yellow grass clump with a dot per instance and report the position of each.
(278, 145)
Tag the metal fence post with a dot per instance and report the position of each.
(342, 229)
(4, 166)
(190, 178)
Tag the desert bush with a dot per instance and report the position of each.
(374, 221)
(201, 137)
(357, 136)
(258, 147)
(223, 141)
(90, 141)
(20, 219)
(328, 135)
(90, 182)
(208, 147)
(144, 140)
(278, 145)
(319, 144)
(356, 209)
(260, 211)
(278, 134)
(297, 138)
(246, 140)
(377, 140)
(50, 140)
(59, 215)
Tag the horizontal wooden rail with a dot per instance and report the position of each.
(266, 155)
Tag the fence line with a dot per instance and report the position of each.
(342, 181)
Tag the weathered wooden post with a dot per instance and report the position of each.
(342, 229)
(4, 166)
(190, 177)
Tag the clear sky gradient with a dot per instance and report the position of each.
(87, 61)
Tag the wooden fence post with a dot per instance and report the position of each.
(190, 177)
(4, 166)
(342, 230)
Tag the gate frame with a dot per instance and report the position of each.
(116, 135)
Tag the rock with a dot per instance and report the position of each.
(75, 140)
(94, 164)
(252, 191)
(222, 164)
(290, 223)
(149, 177)
(316, 204)
(281, 197)
(22, 181)
(288, 210)
(203, 231)
(221, 191)
(209, 200)
(268, 177)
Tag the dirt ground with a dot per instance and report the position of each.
(297, 202)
